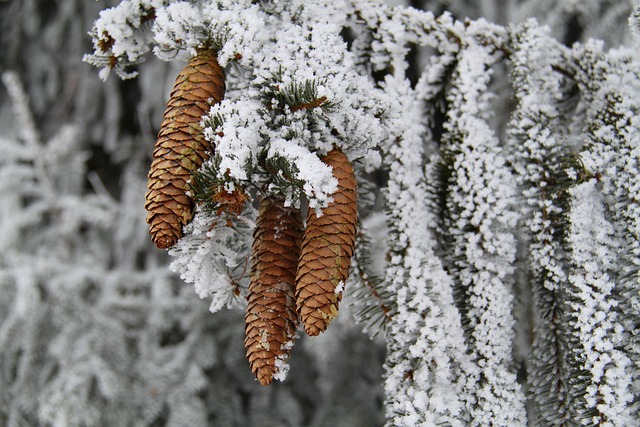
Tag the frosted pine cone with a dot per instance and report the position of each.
(271, 319)
(327, 248)
(181, 147)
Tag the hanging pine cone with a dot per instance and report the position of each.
(271, 319)
(327, 248)
(181, 147)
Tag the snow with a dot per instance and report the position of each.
(319, 182)
(594, 255)
(208, 255)
(118, 34)
(425, 338)
(282, 367)
(452, 251)
(180, 25)
(241, 130)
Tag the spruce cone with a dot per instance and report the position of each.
(181, 147)
(327, 248)
(271, 318)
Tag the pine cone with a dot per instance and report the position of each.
(271, 318)
(327, 248)
(181, 147)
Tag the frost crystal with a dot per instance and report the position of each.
(601, 335)
(208, 240)
(282, 368)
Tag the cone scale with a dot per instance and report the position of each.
(327, 248)
(181, 147)
(271, 319)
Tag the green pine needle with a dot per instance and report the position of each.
(375, 304)
(298, 96)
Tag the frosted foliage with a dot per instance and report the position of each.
(214, 240)
(119, 38)
(241, 130)
(50, 175)
(482, 199)
(596, 310)
(120, 23)
(427, 364)
(538, 138)
(612, 155)
(180, 25)
(244, 129)
(497, 179)
(269, 51)
(533, 127)
(44, 216)
(599, 19)
(618, 133)
(318, 180)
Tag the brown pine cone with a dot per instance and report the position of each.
(271, 319)
(327, 248)
(181, 147)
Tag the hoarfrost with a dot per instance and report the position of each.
(207, 256)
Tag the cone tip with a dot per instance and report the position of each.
(313, 330)
(264, 378)
(163, 242)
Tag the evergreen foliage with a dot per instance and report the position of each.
(497, 255)
(539, 145)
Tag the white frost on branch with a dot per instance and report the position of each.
(435, 374)
(319, 182)
(538, 139)
(595, 308)
(178, 26)
(287, 55)
(242, 27)
(213, 257)
(119, 38)
(237, 139)
(535, 128)
(612, 154)
(427, 364)
(235, 29)
(480, 220)
(312, 50)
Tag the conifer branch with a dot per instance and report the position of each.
(116, 49)
(298, 96)
(418, 351)
(215, 194)
(608, 394)
(284, 177)
(375, 304)
(443, 302)
(478, 195)
(537, 126)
